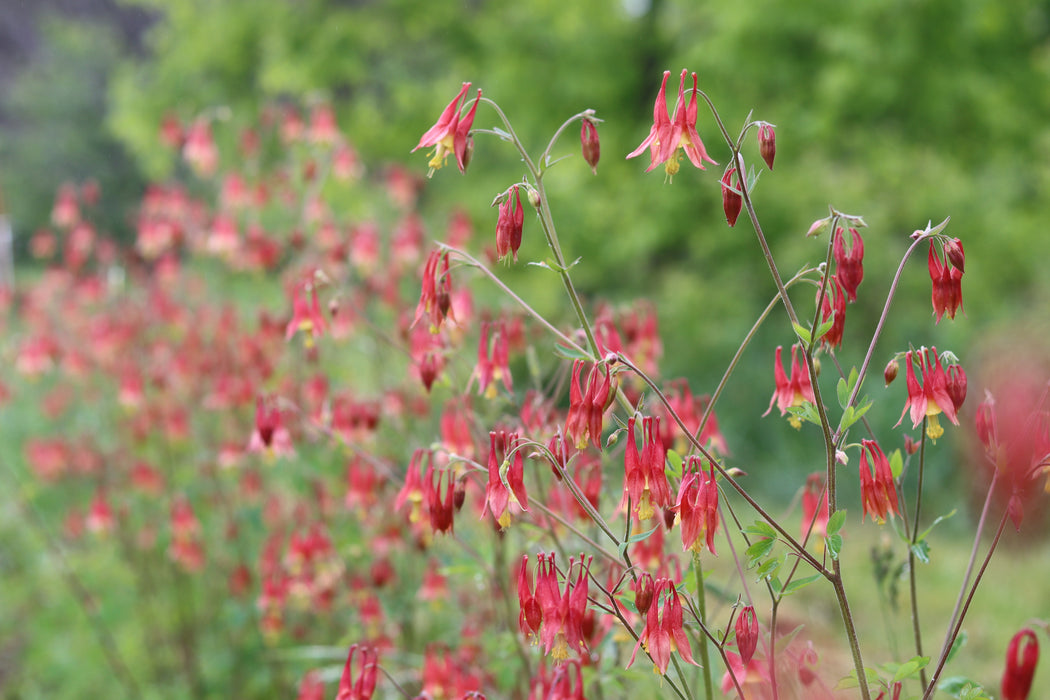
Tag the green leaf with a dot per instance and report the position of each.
(769, 568)
(637, 537)
(834, 545)
(896, 463)
(823, 328)
(799, 583)
(675, 461)
(910, 667)
(921, 550)
(851, 681)
(762, 529)
(836, 521)
(760, 549)
(802, 333)
(842, 391)
(963, 688)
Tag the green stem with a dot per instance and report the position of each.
(701, 605)
(931, 688)
(916, 627)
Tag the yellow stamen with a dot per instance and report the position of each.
(933, 428)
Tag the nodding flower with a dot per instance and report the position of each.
(946, 276)
(936, 394)
(451, 133)
(1021, 658)
(667, 135)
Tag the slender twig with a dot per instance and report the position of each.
(916, 627)
(932, 687)
(701, 604)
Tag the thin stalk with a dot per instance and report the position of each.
(916, 627)
(931, 688)
(969, 565)
(701, 606)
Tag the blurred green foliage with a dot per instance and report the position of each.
(901, 112)
(56, 129)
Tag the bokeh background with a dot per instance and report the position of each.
(900, 111)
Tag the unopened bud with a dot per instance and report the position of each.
(591, 147)
(816, 366)
(910, 446)
(767, 143)
(732, 202)
(956, 385)
(817, 227)
(643, 594)
(954, 250)
(890, 373)
(534, 198)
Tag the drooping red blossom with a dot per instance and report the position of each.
(644, 590)
(435, 297)
(1021, 658)
(440, 492)
(413, 492)
(587, 406)
(878, 491)
(793, 390)
(506, 485)
(645, 482)
(590, 145)
(849, 264)
(493, 359)
(732, 200)
(562, 613)
(530, 615)
(746, 633)
(450, 134)
(663, 633)
(509, 223)
(833, 307)
(362, 685)
(306, 315)
(697, 506)
(930, 398)
(947, 281)
(767, 143)
(199, 150)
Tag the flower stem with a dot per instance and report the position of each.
(701, 606)
(916, 628)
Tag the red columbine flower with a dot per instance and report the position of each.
(667, 135)
(663, 633)
(363, 685)
(530, 616)
(440, 505)
(451, 133)
(587, 406)
(589, 142)
(947, 280)
(306, 315)
(498, 496)
(697, 506)
(877, 491)
(931, 398)
(746, 634)
(493, 359)
(767, 143)
(794, 391)
(435, 297)
(645, 482)
(1021, 658)
(562, 612)
(509, 223)
(834, 307)
(849, 264)
(732, 201)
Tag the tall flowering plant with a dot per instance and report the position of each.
(364, 471)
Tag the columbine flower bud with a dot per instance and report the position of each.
(731, 199)
(746, 633)
(956, 256)
(643, 593)
(767, 143)
(890, 373)
(818, 226)
(589, 141)
(1020, 665)
(509, 224)
(956, 385)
